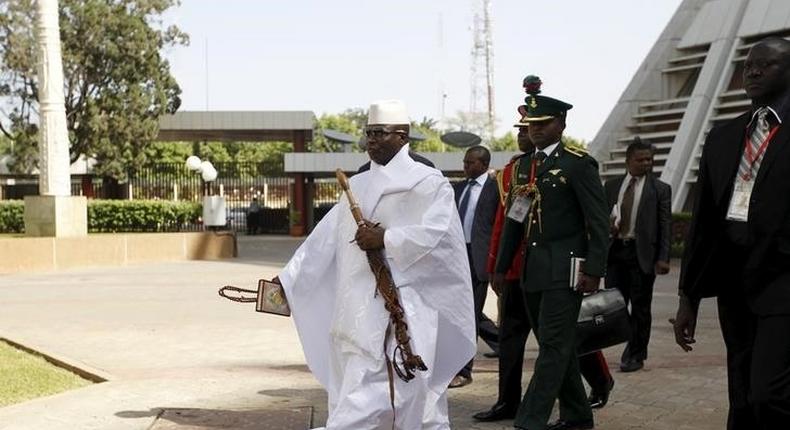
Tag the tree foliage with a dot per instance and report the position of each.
(267, 156)
(116, 83)
(351, 121)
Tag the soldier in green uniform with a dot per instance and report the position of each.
(558, 205)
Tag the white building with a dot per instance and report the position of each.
(689, 81)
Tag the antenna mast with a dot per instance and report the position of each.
(482, 73)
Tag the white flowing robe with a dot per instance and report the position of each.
(342, 323)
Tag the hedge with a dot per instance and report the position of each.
(680, 228)
(115, 216)
(12, 216)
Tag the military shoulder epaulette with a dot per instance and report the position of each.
(576, 149)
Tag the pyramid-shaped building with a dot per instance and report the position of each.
(689, 81)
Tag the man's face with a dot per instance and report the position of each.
(524, 142)
(640, 162)
(384, 141)
(473, 165)
(765, 71)
(545, 133)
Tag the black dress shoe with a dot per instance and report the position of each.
(631, 365)
(571, 425)
(598, 399)
(498, 412)
(492, 354)
(460, 381)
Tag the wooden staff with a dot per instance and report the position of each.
(386, 287)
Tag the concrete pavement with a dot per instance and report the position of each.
(177, 356)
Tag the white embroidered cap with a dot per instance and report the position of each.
(388, 112)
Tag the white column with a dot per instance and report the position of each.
(54, 212)
(53, 134)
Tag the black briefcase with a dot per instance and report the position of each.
(603, 321)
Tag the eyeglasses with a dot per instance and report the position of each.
(378, 133)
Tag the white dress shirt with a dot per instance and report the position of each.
(549, 149)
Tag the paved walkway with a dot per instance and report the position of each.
(177, 356)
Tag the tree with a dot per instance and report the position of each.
(117, 84)
(351, 121)
(506, 142)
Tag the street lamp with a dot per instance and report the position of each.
(213, 206)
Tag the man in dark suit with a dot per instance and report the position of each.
(513, 321)
(641, 208)
(477, 198)
(558, 206)
(640, 246)
(738, 246)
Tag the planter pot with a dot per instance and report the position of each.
(297, 230)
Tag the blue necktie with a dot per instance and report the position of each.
(464, 205)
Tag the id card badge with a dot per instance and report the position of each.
(739, 203)
(519, 208)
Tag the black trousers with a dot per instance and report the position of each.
(553, 315)
(485, 328)
(758, 365)
(623, 272)
(514, 328)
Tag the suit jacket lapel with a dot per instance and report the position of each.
(729, 155)
(648, 194)
(775, 147)
(458, 187)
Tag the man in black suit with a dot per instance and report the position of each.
(738, 247)
(641, 207)
(477, 198)
(640, 243)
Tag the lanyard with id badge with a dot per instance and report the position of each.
(738, 209)
(526, 201)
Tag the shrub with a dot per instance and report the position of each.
(680, 227)
(12, 216)
(116, 215)
(140, 215)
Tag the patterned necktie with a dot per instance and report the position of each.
(464, 205)
(761, 131)
(626, 206)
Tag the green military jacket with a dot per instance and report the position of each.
(574, 221)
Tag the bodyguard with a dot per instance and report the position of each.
(558, 205)
(738, 247)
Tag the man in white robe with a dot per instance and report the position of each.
(342, 322)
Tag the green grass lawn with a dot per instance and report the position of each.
(24, 376)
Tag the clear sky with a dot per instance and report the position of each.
(327, 56)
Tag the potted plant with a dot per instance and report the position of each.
(296, 223)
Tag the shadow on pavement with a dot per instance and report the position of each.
(299, 418)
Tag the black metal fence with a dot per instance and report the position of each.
(240, 183)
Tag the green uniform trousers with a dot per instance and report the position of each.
(553, 314)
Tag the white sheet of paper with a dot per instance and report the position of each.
(739, 203)
(519, 208)
(577, 265)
